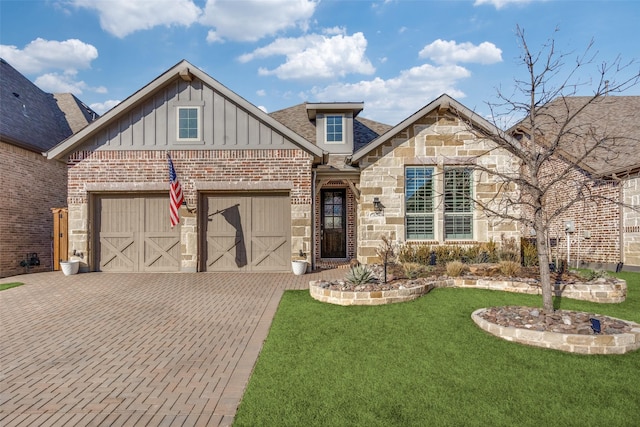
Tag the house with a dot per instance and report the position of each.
(603, 225)
(315, 180)
(31, 123)
(421, 181)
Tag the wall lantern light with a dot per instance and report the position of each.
(377, 205)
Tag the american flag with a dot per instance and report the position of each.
(175, 194)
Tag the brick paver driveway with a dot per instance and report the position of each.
(133, 349)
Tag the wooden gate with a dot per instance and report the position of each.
(60, 236)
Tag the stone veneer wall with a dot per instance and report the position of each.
(440, 139)
(198, 170)
(32, 186)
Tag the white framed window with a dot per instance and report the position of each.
(419, 203)
(458, 204)
(189, 123)
(334, 129)
(454, 203)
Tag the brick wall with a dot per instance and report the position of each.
(594, 209)
(32, 187)
(241, 170)
(351, 206)
(632, 222)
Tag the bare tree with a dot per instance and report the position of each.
(554, 141)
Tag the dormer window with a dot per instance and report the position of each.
(189, 126)
(334, 129)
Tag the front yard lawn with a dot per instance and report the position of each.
(426, 363)
(4, 286)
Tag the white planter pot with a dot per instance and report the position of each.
(299, 267)
(70, 267)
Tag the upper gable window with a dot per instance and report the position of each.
(334, 129)
(189, 124)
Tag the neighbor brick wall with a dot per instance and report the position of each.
(32, 186)
(237, 169)
(595, 213)
(632, 222)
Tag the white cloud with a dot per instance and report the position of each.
(41, 55)
(65, 83)
(123, 17)
(392, 100)
(499, 4)
(316, 56)
(261, 92)
(450, 52)
(250, 20)
(102, 107)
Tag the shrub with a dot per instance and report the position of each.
(455, 268)
(529, 252)
(359, 275)
(386, 251)
(509, 250)
(590, 275)
(412, 269)
(510, 268)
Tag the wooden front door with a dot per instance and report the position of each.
(333, 224)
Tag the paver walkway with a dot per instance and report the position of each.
(145, 349)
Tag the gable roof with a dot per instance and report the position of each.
(33, 119)
(609, 126)
(186, 71)
(297, 119)
(442, 102)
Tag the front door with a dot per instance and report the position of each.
(334, 228)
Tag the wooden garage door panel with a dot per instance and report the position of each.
(135, 234)
(226, 250)
(248, 233)
(160, 242)
(116, 224)
(270, 225)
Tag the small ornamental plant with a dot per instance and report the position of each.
(455, 268)
(359, 275)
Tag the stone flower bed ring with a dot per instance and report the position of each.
(568, 331)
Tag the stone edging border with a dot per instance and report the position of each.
(593, 291)
(571, 343)
(602, 293)
(368, 298)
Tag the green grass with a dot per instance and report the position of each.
(426, 363)
(4, 286)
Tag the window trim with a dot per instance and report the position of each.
(199, 123)
(342, 126)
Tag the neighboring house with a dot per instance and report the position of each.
(32, 122)
(603, 140)
(262, 188)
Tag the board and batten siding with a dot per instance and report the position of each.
(151, 123)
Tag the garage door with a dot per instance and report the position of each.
(133, 233)
(249, 232)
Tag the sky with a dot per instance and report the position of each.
(396, 56)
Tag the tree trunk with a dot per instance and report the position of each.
(543, 262)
